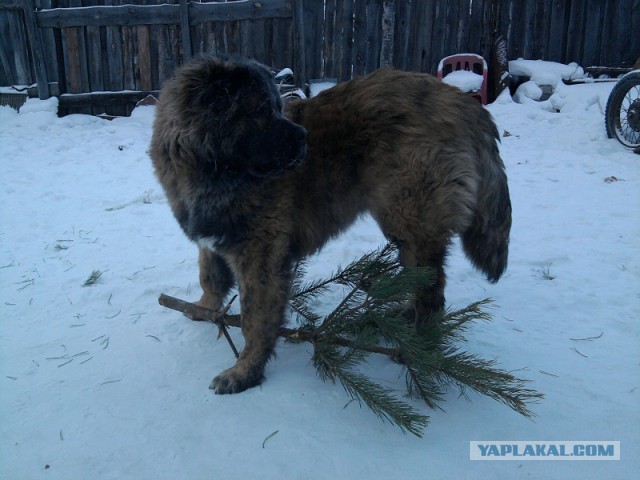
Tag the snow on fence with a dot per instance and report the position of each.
(87, 46)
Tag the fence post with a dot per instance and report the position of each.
(35, 42)
(187, 49)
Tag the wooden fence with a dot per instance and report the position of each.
(77, 47)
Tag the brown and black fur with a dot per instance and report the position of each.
(258, 191)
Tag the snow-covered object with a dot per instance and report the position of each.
(545, 73)
(464, 80)
(284, 73)
(528, 91)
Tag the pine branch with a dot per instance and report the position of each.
(369, 320)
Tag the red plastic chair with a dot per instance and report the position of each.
(470, 62)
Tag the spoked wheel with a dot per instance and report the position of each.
(622, 115)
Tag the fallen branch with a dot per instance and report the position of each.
(199, 313)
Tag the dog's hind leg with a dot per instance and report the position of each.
(420, 243)
(429, 300)
(216, 279)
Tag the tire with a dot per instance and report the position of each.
(622, 115)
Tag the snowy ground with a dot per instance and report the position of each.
(102, 382)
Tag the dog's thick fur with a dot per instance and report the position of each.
(257, 192)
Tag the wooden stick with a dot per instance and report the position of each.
(220, 318)
(199, 313)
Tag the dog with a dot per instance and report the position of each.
(258, 186)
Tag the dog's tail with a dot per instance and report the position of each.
(486, 240)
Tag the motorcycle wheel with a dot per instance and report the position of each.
(622, 115)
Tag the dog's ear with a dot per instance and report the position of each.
(215, 95)
(204, 85)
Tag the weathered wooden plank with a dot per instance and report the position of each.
(490, 10)
(185, 29)
(624, 32)
(315, 71)
(474, 33)
(254, 38)
(166, 63)
(7, 5)
(450, 38)
(103, 98)
(346, 47)
(464, 21)
(128, 58)
(529, 30)
(7, 67)
(374, 35)
(299, 58)
(513, 24)
(163, 14)
(16, 59)
(234, 38)
(436, 51)
(281, 41)
(633, 54)
(48, 45)
(35, 41)
(328, 35)
(387, 32)
(94, 51)
(109, 15)
(344, 39)
(72, 60)
(176, 45)
(558, 30)
(144, 58)
(424, 25)
(154, 54)
(360, 32)
(239, 10)
(114, 80)
(401, 33)
(592, 38)
(574, 49)
(545, 29)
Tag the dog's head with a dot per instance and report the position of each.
(231, 112)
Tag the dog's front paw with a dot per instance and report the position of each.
(236, 379)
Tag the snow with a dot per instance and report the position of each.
(464, 80)
(102, 382)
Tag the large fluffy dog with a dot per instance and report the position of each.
(258, 190)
